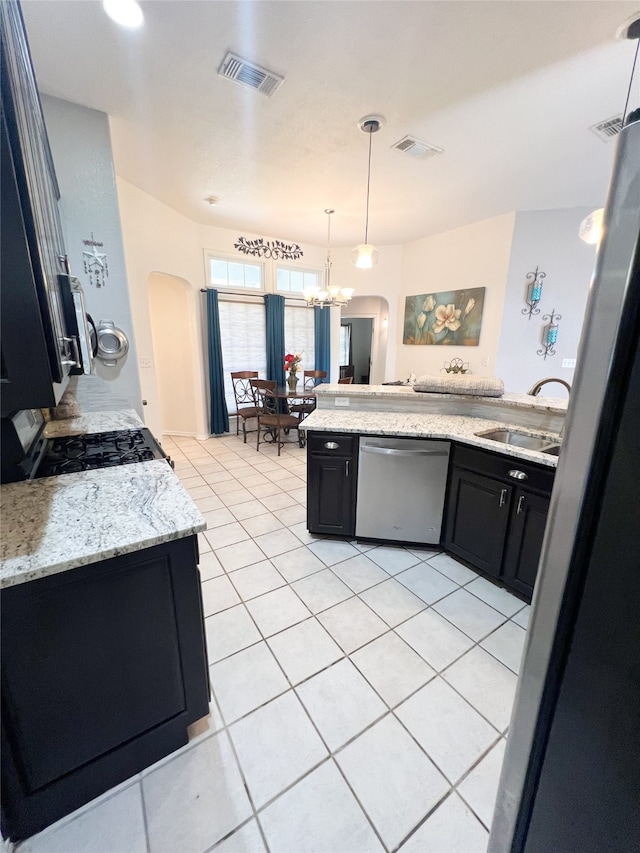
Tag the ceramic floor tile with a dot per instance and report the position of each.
(277, 542)
(321, 590)
(332, 551)
(228, 534)
(363, 547)
(392, 602)
(246, 680)
(196, 799)
(277, 610)
(263, 490)
(359, 573)
(498, 598)
(291, 515)
(486, 684)
(209, 503)
(253, 479)
(468, 613)
(435, 639)
(203, 544)
(248, 509)
(352, 624)
(218, 518)
(276, 745)
(260, 524)
(452, 568)
(480, 788)
(319, 814)
(392, 778)
(452, 828)
(392, 560)
(297, 564)
(209, 566)
(239, 555)
(198, 492)
(522, 617)
(218, 594)
(205, 726)
(340, 703)
(300, 530)
(229, 632)
(113, 825)
(223, 487)
(216, 477)
(450, 731)
(392, 668)
(240, 496)
(304, 649)
(255, 580)
(507, 644)
(427, 583)
(279, 501)
(247, 839)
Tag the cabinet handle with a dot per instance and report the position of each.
(503, 497)
(331, 445)
(518, 475)
(520, 502)
(346, 467)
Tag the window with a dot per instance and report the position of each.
(345, 343)
(299, 334)
(295, 280)
(244, 341)
(225, 273)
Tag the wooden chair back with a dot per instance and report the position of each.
(311, 378)
(264, 396)
(347, 380)
(240, 379)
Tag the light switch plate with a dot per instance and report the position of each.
(342, 401)
(145, 362)
(568, 362)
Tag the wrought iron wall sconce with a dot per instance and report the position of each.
(550, 334)
(534, 292)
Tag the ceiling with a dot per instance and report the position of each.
(508, 89)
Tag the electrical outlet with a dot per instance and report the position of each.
(342, 401)
(145, 362)
(568, 362)
(485, 361)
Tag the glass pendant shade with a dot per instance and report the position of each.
(364, 256)
(127, 13)
(591, 227)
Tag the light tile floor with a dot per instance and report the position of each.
(362, 693)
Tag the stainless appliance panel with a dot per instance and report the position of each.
(401, 489)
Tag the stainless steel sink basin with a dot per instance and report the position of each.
(522, 439)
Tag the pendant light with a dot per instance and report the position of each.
(365, 255)
(331, 295)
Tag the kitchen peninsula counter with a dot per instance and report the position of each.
(54, 524)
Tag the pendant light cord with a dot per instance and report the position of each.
(366, 226)
(633, 71)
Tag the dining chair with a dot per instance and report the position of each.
(245, 404)
(271, 421)
(347, 380)
(306, 405)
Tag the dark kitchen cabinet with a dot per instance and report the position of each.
(496, 515)
(103, 668)
(331, 483)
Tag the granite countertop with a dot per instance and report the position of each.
(415, 425)
(58, 523)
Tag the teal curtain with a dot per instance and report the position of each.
(218, 415)
(322, 334)
(274, 315)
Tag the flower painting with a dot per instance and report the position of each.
(453, 317)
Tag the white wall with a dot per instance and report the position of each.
(549, 240)
(476, 255)
(81, 148)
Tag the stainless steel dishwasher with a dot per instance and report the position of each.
(401, 489)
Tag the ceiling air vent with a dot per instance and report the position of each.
(607, 129)
(417, 148)
(249, 74)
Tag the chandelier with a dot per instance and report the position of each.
(330, 295)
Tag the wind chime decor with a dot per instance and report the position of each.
(550, 334)
(534, 292)
(331, 295)
(275, 249)
(95, 262)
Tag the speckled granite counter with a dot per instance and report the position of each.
(54, 524)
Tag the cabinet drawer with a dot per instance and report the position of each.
(323, 442)
(498, 466)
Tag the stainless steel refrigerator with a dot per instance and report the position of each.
(571, 774)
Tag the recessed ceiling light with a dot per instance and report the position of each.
(212, 199)
(127, 13)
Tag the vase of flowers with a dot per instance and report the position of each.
(291, 362)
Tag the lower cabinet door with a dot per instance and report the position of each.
(522, 555)
(477, 518)
(331, 495)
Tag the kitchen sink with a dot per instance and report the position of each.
(522, 439)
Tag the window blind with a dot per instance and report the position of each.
(299, 334)
(244, 344)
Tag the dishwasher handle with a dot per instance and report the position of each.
(391, 451)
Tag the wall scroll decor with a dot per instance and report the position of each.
(534, 292)
(271, 249)
(550, 334)
(452, 317)
(95, 262)
(456, 365)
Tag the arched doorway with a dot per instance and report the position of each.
(365, 319)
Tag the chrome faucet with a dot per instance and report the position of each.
(535, 388)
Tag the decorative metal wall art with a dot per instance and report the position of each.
(453, 317)
(270, 249)
(550, 334)
(95, 262)
(534, 292)
(456, 365)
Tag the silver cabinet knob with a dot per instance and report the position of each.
(331, 445)
(518, 475)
